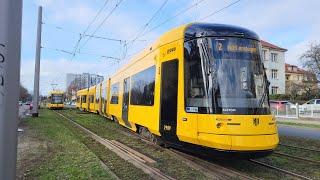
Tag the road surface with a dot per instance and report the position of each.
(313, 133)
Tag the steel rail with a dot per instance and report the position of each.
(296, 157)
(280, 169)
(297, 147)
(211, 169)
(133, 159)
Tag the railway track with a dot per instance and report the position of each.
(301, 148)
(137, 159)
(296, 157)
(280, 170)
(210, 169)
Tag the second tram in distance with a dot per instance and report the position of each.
(55, 100)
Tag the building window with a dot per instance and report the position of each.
(274, 90)
(142, 91)
(287, 77)
(114, 93)
(264, 55)
(274, 57)
(274, 74)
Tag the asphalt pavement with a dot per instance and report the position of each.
(312, 133)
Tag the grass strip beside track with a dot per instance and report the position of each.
(177, 169)
(61, 154)
(112, 131)
(316, 126)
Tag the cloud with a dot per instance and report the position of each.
(79, 13)
(291, 24)
(53, 71)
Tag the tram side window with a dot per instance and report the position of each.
(98, 94)
(114, 93)
(195, 98)
(142, 89)
(78, 99)
(83, 99)
(91, 98)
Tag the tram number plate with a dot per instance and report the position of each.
(192, 109)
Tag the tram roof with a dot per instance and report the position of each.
(56, 92)
(191, 31)
(198, 30)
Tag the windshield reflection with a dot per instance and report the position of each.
(225, 76)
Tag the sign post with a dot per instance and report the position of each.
(10, 49)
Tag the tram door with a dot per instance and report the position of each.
(169, 96)
(125, 101)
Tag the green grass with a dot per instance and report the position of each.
(299, 124)
(300, 142)
(302, 167)
(64, 156)
(177, 169)
(112, 131)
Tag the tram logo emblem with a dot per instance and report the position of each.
(256, 121)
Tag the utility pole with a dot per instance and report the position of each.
(37, 66)
(10, 49)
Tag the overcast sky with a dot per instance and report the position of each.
(290, 24)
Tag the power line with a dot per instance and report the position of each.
(143, 28)
(95, 18)
(187, 9)
(85, 53)
(149, 21)
(104, 20)
(172, 17)
(85, 35)
(219, 10)
(89, 25)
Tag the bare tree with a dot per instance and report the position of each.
(24, 94)
(311, 59)
(293, 90)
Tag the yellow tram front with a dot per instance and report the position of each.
(226, 91)
(55, 100)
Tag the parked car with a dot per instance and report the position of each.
(312, 105)
(281, 105)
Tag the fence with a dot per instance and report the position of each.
(295, 111)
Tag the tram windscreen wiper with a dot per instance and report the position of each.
(263, 97)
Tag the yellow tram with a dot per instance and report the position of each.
(199, 86)
(55, 100)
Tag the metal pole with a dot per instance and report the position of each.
(37, 66)
(10, 49)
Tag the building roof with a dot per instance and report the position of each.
(271, 46)
(298, 71)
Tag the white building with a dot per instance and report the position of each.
(84, 80)
(274, 62)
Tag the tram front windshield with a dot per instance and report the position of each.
(225, 76)
(56, 99)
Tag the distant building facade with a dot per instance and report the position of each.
(297, 78)
(76, 82)
(274, 62)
